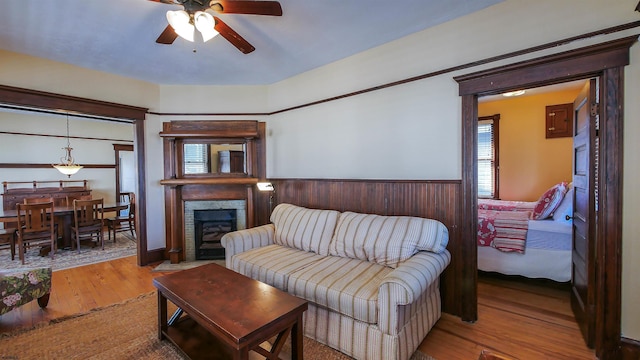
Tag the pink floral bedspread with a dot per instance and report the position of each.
(504, 224)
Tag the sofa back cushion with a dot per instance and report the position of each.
(386, 240)
(304, 229)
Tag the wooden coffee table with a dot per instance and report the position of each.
(226, 314)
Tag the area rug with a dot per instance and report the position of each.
(121, 331)
(67, 258)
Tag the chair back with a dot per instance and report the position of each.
(88, 212)
(128, 198)
(69, 199)
(34, 218)
(132, 205)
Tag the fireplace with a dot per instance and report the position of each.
(193, 207)
(210, 226)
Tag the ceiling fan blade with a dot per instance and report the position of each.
(272, 8)
(171, 2)
(168, 36)
(233, 37)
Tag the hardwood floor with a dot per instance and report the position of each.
(520, 321)
(517, 318)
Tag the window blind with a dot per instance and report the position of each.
(195, 158)
(486, 159)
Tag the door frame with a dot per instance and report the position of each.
(117, 148)
(605, 61)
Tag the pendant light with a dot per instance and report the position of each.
(67, 166)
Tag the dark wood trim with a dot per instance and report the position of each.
(550, 70)
(144, 257)
(116, 154)
(155, 255)
(565, 66)
(549, 45)
(630, 348)
(46, 100)
(467, 271)
(638, 7)
(45, 166)
(496, 156)
(209, 114)
(210, 181)
(63, 136)
(210, 129)
(439, 199)
(609, 215)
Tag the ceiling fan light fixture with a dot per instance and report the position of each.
(205, 24)
(180, 21)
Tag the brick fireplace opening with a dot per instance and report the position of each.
(210, 226)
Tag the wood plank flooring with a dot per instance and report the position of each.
(517, 318)
(520, 321)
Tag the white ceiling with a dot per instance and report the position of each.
(575, 85)
(118, 36)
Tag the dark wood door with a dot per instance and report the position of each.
(584, 169)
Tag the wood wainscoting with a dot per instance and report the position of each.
(434, 199)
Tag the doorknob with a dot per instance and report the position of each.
(567, 217)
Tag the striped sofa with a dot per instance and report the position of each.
(372, 281)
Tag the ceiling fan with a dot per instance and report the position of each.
(196, 15)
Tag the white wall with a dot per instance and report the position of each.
(411, 131)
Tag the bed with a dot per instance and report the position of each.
(516, 238)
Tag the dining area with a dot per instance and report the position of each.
(51, 217)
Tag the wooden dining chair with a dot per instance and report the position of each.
(57, 223)
(35, 227)
(125, 220)
(88, 221)
(8, 239)
(69, 199)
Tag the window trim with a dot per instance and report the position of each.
(496, 157)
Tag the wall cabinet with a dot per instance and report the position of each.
(559, 121)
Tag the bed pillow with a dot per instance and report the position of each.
(565, 208)
(549, 201)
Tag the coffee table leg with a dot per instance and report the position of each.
(297, 332)
(162, 315)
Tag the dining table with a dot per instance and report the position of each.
(65, 216)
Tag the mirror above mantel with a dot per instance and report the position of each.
(210, 149)
(205, 158)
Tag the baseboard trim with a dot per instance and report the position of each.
(155, 255)
(630, 348)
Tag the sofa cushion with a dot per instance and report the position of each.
(272, 264)
(347, 286)
(386, 240)
(305, 229)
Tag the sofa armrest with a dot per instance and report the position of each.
(240, 241)
(408, 284)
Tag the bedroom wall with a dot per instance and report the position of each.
(529, 162)
(427, 111)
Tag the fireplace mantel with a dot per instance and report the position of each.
(210, 181)
(180, 186)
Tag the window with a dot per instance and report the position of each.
(488, 165)
(196, 158)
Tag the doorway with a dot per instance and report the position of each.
(125, 164)
(605, 61)
(534, 161)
